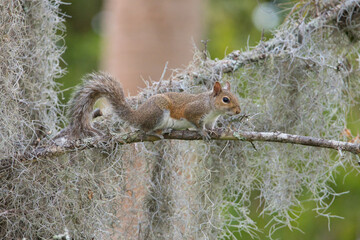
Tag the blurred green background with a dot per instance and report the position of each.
(229, 26)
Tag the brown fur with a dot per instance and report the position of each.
(149, 116)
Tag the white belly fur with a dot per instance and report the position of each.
(176, 124)
(209, 121)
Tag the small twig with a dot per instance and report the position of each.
(253, 145)
(205, 51)
(162, 77)
(262, 35)
(241, 118)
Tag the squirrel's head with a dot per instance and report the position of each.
(225, 101)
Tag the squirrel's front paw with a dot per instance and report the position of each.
(205, 135)
(166, 131)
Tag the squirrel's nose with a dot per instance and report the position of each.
(237, 111)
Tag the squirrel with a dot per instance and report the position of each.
(171, 110)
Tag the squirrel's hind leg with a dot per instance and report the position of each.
(156, 133)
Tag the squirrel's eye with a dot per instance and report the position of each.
(226, 100)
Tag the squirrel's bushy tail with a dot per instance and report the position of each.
(95, 85)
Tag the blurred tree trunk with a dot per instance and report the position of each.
(141, 36)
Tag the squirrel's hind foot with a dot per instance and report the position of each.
(156, 134)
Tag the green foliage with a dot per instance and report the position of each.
(83, 43)
(81, 57)
(230, 26)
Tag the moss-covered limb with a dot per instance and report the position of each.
(66, 146)
(345, 15)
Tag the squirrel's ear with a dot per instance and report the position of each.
(227, 86)
(217, 88)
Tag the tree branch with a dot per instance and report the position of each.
(66, 146)
(340, 15)
(235, 60)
